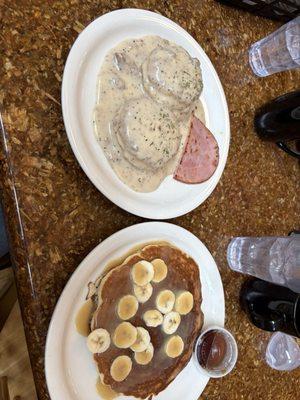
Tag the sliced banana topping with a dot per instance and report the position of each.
(160, 270)
(143, 293)
(171, 322)
(98, 341)
(145, 356)
(153, 318)
(184, 303)
(127, 306)
(142, 273)
(165, 301)
(125, 335)
(142, 341)
(174, 346)
(120, 368)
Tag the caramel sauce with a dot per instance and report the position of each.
(105, 391)
(135, 249)
(83, 317)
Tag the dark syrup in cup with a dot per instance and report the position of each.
(215, 352)
(212, 350)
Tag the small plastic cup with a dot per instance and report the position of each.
(279, 51)
(282, 352)
(220, 352)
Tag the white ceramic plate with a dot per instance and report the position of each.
(70, 371)
(79, 85)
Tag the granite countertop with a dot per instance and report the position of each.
(55, 215)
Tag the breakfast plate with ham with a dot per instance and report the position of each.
(145, 113)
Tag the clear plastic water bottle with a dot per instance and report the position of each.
(273, 259)
(278, 51)
(282, 352)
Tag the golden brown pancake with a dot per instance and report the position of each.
(183, 274)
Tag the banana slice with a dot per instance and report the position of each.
(165, 301)
(142, 341)
(98, 341)
(160, 270)
(142, 272)
(174, 346)
(184, 303)
(120, 368)
(153, 318)
(144, 357)
(125, 335)
(127, 306)
(171, 322)
(143, 293)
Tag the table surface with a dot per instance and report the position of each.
(55, 216)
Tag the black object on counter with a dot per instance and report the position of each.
(271, 307)
(283, 10)
(279, 121)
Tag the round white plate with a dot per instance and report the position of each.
(79, 90)
(70, 371)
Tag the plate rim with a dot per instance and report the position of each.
(160, 212)
(110, 239)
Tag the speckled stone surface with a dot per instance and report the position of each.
(56, 216)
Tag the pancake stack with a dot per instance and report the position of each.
(147, 318)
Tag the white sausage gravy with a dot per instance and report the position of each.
(148, 89)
